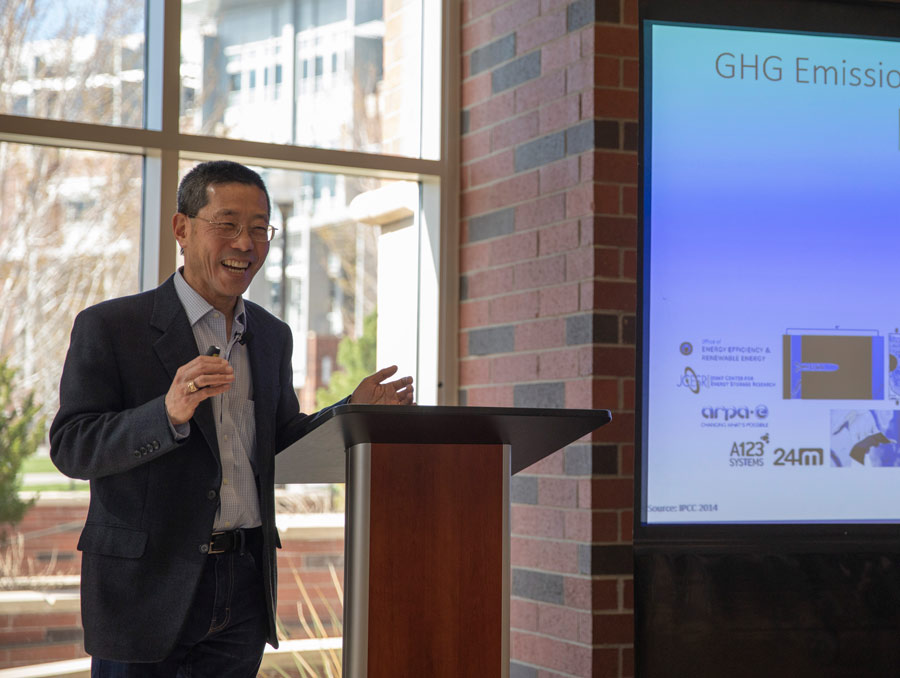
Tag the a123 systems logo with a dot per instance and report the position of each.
(735, 412)
(692, 381)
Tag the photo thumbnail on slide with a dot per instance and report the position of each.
(833, 366)
(865, 438)
(894, 364)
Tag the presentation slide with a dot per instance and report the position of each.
(771, 379)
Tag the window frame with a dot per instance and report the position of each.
(162, 146)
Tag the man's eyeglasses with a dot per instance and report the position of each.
(229, 230)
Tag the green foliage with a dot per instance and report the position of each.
(355, 361)
(21, 431)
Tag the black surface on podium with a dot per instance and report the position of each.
(532, 433)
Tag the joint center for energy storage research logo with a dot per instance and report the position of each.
(691, 381)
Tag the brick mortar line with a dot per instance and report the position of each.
(494, 324)
(499, 267)
(545, 195)
(608, 612)
(538, 351)
(494, 182)
(582, 577)
(549, 224)
(546, 381)
(563, 606)
(598, 118)
(526, 352)
(529, 352)
(560, 69)
(598, 646)
(578, 248)
(592, 215)
(538, 108)
(571, 574)
(612, 151)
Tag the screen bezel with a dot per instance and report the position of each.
(844, 18)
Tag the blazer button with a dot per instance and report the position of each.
(137, 453)
(155, 444)
(211, 494)
(204, 548)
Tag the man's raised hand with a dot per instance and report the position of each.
(371, 390)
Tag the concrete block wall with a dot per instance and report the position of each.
(548, 268)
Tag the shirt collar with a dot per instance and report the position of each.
(196, 306)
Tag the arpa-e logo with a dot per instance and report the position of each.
(735, 412)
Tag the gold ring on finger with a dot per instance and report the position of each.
(192, 387)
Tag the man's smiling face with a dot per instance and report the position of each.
(220, 270)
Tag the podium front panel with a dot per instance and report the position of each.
(435, 598)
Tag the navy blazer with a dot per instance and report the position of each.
(153, 500)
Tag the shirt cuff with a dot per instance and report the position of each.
(179, 432)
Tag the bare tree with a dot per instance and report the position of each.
(69, 220)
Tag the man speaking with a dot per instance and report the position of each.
(173, 403)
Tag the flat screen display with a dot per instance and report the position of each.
(770, 385)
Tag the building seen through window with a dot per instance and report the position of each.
(331, 85)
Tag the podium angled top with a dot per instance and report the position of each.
(532, 434)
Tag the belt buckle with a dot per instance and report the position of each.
(212, 542)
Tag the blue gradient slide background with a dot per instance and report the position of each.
(772, 206)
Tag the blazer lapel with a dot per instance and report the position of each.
(176, 346)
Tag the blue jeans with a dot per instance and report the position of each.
(225, 632)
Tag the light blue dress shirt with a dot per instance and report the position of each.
(233, 410)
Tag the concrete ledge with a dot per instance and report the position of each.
(39, 582)
(70, 667)
(310, 526)
(57, 497)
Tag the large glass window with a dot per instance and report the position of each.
(81, 60)
(69, 237)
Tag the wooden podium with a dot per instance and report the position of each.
(426, 567)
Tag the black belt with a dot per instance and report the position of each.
(234, 540)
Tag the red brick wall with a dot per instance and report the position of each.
(308, 560)
(27, 639)
(548, 292)
(54, 527)
(51, 529)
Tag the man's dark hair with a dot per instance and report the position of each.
(192, 195)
